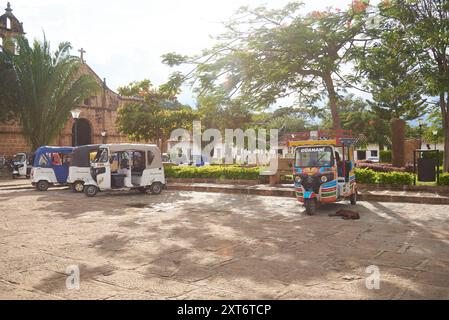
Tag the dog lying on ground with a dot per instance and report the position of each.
(346, 214)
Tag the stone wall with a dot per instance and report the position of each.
(100, 111)
(409, 146)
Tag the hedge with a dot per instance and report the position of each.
(384, 167)
(385, 156)
(369, 176)
(400, 178)
(444, 179)
(213, 172)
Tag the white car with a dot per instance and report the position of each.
(373, 159)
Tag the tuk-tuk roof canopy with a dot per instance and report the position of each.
(47, 149)
(130, 146)
(123, 147)
(312, 143)
(80, 155)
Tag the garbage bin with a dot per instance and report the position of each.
(427, 169)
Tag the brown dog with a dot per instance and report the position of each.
(346, 214)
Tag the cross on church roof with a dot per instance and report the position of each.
(82, 52)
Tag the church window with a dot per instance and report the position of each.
(8, 23)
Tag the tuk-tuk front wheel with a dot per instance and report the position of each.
(42, 185)
(310, 205)
(156, 188)
(90, 191)
(78, 186)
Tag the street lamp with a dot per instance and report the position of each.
(103, 134)
(435, 137)
(75, 115)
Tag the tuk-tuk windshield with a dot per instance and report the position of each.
(314, 157)
(19, 158)
(101, 156)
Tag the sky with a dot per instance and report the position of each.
(124, 40)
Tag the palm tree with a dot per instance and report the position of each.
(47, 86)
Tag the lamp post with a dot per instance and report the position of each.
(75, 115)
(103, 135)
(435, 137)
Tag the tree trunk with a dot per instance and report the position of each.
(398, 141)
(445, 115)
(333, 100)
(446, 148)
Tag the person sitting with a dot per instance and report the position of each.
(339, 164)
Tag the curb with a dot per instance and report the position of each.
(285, 192)
(288, 192)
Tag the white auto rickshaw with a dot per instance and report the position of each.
(79, 169)
(21, 165)
(124, 167)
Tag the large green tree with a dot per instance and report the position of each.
(266, 55)
(43, 87)
(154, 117)
(424, 25)
(358, 116)
(389, 67)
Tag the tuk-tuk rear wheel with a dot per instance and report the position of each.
(78, 186)
(310, 205)
(156, 188)
(42, 185)
(90, 191)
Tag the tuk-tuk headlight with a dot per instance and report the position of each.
(323, 179)
(298, 179)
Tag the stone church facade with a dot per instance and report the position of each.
(96, 123)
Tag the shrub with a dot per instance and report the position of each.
(385, 156)
(381, 167)
(399, 178)
(444, 179)
(213, 172)
(365, 176)
(369, 176)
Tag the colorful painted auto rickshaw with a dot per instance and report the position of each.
(324, 168)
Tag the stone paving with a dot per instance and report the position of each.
(194, 245)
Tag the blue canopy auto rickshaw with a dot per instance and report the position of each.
(324, 169)
(51, 167)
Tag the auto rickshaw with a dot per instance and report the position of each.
(79, 169)
(51, 167)
(21, 165)
(124, 167)
(324, 169)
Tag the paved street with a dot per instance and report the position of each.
(193, 245)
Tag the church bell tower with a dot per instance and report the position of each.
(10, 27)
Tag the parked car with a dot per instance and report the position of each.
(372, 159)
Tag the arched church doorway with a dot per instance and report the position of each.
(81, 133)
